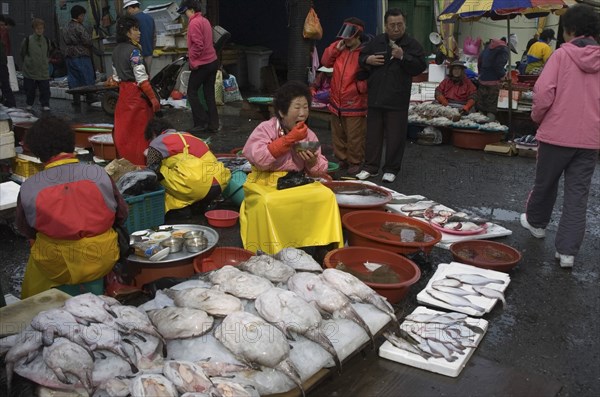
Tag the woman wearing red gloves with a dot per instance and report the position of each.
(302, 216)
(456, 90)
(137, 101)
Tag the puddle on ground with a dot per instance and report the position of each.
(494, 214)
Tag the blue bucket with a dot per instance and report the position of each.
(234, 190)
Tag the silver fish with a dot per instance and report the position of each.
(441, 349)
(446, 282)
(453, 290)
(90, 308)
(298, 259)
(245, 285)
(66, 358)
(180, 322)
(418, 206)
(358, 291)
(454, 300)
(474, 279)
(312, 288)
(405, 345)
(289, 312)
(490, 293)
(214, 302)
(269, 345)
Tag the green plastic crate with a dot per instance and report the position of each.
(146, 210)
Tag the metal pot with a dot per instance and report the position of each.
(175, 244)
(196, 244)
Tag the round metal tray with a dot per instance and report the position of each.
(211, 235)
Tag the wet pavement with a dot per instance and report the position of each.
(551, 323)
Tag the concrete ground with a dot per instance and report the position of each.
(547, 333)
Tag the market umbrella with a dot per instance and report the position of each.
(469, 10)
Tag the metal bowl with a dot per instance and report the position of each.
(313, 146)
(195, 244)
(175, 244)
(193, 233)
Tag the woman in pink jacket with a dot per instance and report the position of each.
(566, 106)
(203, 65)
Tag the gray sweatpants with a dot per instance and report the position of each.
(578, 167)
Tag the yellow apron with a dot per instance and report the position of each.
(272, 219)
(53, 262)
(189, 178)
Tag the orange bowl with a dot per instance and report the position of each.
(222, 218)
(486, 254)
(219, 257)
(355, 257)
(364, 228)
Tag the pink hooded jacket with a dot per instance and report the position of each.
(200, 41)
(566, 102)
(258, 154)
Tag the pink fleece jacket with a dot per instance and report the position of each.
(258, 154)
(200, 41)
(566, 102)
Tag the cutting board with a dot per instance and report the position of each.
(14, 318)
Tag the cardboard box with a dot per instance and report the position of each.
(501, 148)
(532, 153)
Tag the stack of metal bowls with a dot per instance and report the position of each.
(195, 241)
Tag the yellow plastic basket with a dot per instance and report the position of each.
(26, 168)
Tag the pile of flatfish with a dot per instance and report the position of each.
(95, 345)
(445, 335)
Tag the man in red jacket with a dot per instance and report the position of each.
(348, 95)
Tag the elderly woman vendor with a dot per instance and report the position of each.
(456, 89)
(68, 210)
(302, 216)
(190, 172)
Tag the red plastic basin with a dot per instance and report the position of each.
(364, 229)
(486, 254)
(222, 218)
(354, 258)
(219, 257)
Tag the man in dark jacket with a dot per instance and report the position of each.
(490, 64)
(392, 59)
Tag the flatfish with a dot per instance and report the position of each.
(298, 259)
(223, 274)
(268, 267)
(214, 302)
(245, 285)
(358, 291)
(187, 376)
(289, 312)
(269, 347)
(68, 360)
(180, 322)
(151, 385)
(313, 288)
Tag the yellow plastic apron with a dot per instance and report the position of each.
(188, 179)
(272, 219)
(54, 262)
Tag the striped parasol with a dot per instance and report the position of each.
(502, 9)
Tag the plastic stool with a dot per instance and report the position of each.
(96, 287)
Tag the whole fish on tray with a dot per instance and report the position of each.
(214, 302)
(454, 300)
(474, 279)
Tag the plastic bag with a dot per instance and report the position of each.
(312, 26)
(231, 91)
(471, 46)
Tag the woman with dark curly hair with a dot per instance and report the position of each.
(307, 215)
(565, 106)
(137, 101)
(67, 211)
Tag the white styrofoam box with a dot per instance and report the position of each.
(8, 194)
(7, 145)
(437, 73)
(4, 124)
(257, 58)
(163, 15)
(165, 40)
(437, 365)
(181, 41)
(460, 268)
(29, 158)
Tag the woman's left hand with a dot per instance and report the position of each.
(309, 157)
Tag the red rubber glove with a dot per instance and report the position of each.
(149, 92)
(468, 105)
(441, 99)
(282, 145)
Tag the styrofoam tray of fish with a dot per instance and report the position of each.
(464, 288)
(445, 341)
